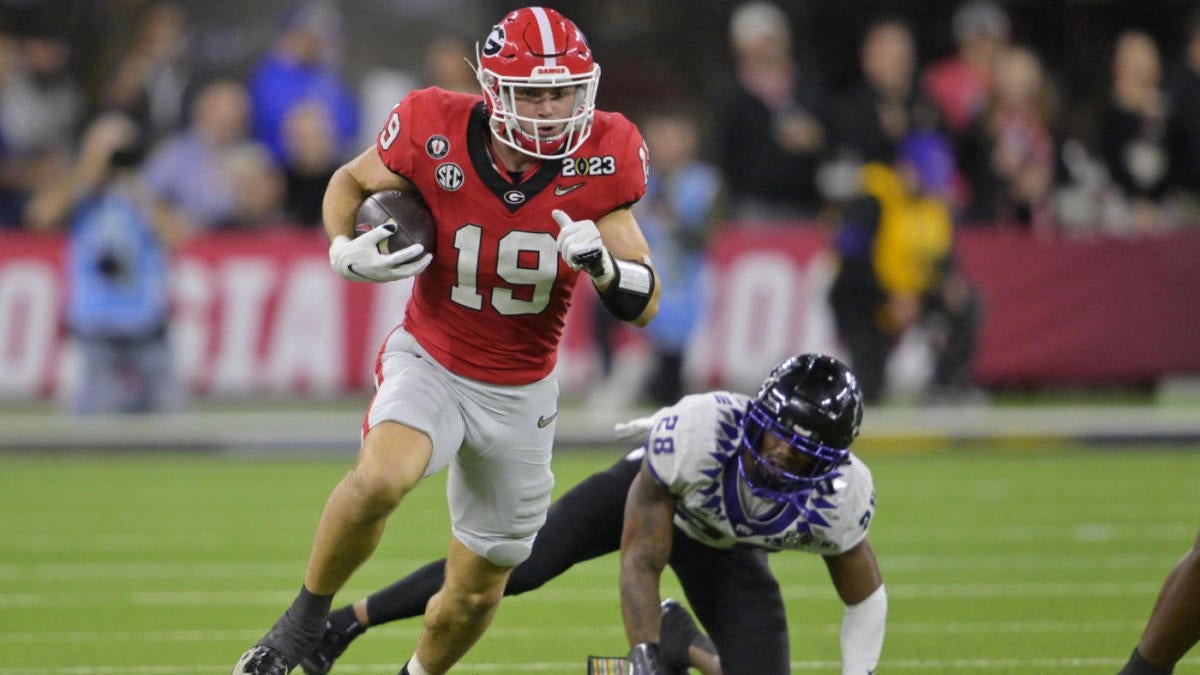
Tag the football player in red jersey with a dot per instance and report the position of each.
(529, 186)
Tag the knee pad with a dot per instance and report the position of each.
(508, 554)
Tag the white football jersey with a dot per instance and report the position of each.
(692, 450)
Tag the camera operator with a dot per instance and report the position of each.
(118, 246)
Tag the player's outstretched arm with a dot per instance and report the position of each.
(1174, 624)
(855, 574)
(645, 548)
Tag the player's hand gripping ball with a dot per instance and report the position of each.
(394, 237)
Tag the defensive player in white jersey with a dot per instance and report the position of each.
(728, 479)
(530, 188)
(720, 480)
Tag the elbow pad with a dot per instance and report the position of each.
(630, 290)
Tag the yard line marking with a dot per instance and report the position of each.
(899, 561)
(77, 636)
(215, 569)
(539, 631)
(596, 594)
(936, 665)
(251, 634)
(127, 542)
(1034, 531)
(1025, 561)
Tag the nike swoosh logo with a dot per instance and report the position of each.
(560, 190)
(544, 421)
(356, 273)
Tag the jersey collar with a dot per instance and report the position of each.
(512, 196)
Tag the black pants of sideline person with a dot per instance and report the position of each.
(952, 327)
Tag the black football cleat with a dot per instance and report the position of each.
(677, 632)
(261, 660)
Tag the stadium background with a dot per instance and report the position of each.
(652, 53)
(1072, 319)
(1014, 540)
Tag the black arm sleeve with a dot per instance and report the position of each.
(630, 291)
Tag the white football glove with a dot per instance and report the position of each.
(634, 429)
(580, 245)
(359, 259)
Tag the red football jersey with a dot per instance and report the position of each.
(492, 304)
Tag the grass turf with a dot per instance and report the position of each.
(995, 562)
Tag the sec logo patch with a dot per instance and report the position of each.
(449, 176)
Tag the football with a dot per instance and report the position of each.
(414, 220)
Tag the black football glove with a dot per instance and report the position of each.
(644, 659)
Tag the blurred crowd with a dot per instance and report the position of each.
(890, 163)
(251, 142)
(1017, 161)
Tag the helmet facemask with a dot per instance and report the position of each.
(506, 122)
(771, 481)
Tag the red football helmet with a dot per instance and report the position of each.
(537, 47)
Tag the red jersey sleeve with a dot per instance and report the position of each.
(633, 154)
(395, 141)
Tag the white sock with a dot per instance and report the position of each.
(415, 667)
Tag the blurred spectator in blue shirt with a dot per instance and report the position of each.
(300, 68)
(117, 269)
(677, 215)
(191, 169)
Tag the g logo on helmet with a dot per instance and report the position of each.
(494, 42)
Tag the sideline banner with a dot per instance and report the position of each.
(262, 314)
(1096, 310)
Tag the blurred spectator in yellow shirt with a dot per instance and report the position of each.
(895, 243)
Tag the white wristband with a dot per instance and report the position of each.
(862, 633)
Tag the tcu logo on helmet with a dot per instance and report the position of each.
(494, 42)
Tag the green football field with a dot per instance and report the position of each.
(997, 560)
